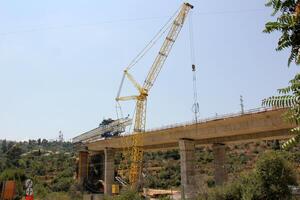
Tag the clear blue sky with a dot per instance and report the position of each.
(61, 62)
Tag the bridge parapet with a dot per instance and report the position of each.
(217, 117)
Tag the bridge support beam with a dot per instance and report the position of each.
(219, 152)
(109, 170)
(83, 166)
(187, 168)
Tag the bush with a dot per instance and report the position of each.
(274, 174)
(268, 181)
(62, 184)
(12, 174)
(40, 191)
(227, 192)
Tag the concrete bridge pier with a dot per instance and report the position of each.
(187, 168)
(83, 165)
(219, 152)
(109, 170)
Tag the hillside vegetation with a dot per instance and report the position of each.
(51, 166)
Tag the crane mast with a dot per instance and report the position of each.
(141, 98)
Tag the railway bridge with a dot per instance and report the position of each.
(252, 125)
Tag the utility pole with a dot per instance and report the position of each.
(242, 104)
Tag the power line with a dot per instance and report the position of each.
(47, 28)
(232, 11)
(51, 28)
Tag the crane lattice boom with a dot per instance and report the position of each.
(141, 99)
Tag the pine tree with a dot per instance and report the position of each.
(4, 146)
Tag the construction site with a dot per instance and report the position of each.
(98, 147)
(168, 149)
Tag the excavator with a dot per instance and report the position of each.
(136, 150)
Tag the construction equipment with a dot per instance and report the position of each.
(107, 128)
(141, 98)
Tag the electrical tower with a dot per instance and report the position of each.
(61, 137)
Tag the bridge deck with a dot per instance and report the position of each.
(261, 125)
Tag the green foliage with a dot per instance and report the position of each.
(228, 192)
(62, 184)
(12, 174)
(269, 180)
(211, 182)
(4, 146)
(237, 162)
(63, 181)
(173, 154)
(168, 177)
(40, 190)
(13, 155)
(288, 23)
(274, 174)
(51, 165)
(17, 175)
(292, 102)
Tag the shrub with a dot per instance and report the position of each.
(62, 184)
(268, 181)
(40, 191)
(226, 192)
(274, 174)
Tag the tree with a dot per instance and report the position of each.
(288, 23)
(275, 174)
(4, 146)
(14, 154)
(270, 179)
(44, 141)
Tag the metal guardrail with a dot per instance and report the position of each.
(218, 117)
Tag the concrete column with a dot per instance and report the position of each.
(187, 168)
(109, 170)
(219, 153)
(83, 165)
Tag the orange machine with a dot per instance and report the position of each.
(8, 190)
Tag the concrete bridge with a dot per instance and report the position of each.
(257, 124)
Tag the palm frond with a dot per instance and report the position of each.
(285, 90)
(284, 101)
(291, 142)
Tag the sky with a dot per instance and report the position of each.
(61, 62)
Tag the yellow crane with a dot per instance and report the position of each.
(141, 99)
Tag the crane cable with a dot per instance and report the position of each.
(152, 42)
(145, 50)
(195, 107)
